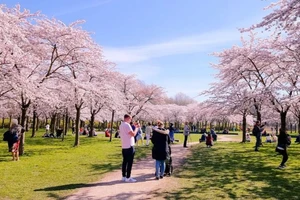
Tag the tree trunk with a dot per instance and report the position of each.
(3, 122)
(298, 124)
(24, 108)
(9, 124)
(92, 121)
(111, 124)
(244, 127)
(37, 123)
(77, 121)
(27, 123)
(33, 124)
(66, 127)
(57, 120)
(53, 123)
(283, 120)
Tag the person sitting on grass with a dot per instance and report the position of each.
(248, 138)
(274, 138)
(209, 140)
(203, 138)
(268, 138)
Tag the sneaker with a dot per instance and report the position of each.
(281, 166)
(130, 180)
(157, 178)
(123, 178)
(161, 177)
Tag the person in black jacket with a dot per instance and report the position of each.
(160, 151)
(281, 148)
(257, 129)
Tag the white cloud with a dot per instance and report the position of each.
(142, 71)
(183, 45)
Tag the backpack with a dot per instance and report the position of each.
(7, 136)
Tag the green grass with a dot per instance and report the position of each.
(234, 171)
(52, 169)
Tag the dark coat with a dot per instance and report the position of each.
(160, 150)
(283, 141)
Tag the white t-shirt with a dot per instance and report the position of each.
(126, 139)
(47, 127)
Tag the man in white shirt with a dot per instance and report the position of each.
(186, 132)
(127, 139)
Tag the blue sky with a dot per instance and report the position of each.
(163, 42)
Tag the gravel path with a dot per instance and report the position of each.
(147, 187)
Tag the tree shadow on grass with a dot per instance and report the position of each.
(237, 174)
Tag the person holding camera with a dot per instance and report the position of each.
(257, 129)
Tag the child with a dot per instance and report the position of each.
(16, 144)
(248, 138)
(209, 140)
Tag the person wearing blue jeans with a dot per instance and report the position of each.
(160, 151)
(159, 168)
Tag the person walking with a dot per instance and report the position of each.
(186, 132)
(283, 143)
(139, 134)
(160, 151)
(128, 151)
(148, 132)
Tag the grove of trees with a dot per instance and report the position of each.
(51, 70)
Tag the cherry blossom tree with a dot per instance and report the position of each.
(137, 94)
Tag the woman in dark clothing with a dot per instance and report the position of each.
(281, 148)
(160, 151)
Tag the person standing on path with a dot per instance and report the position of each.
(148, 132)
(171, 132)
(186, 132)
(128, 151)
(160, 151)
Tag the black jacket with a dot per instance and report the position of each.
(283, 141)
(160, 150)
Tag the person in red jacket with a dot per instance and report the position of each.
(209, 140)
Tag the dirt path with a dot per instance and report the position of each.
(147, 187)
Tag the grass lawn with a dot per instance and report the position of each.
(234, 171)
(52, 169)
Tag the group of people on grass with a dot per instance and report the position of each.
(209, 138)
